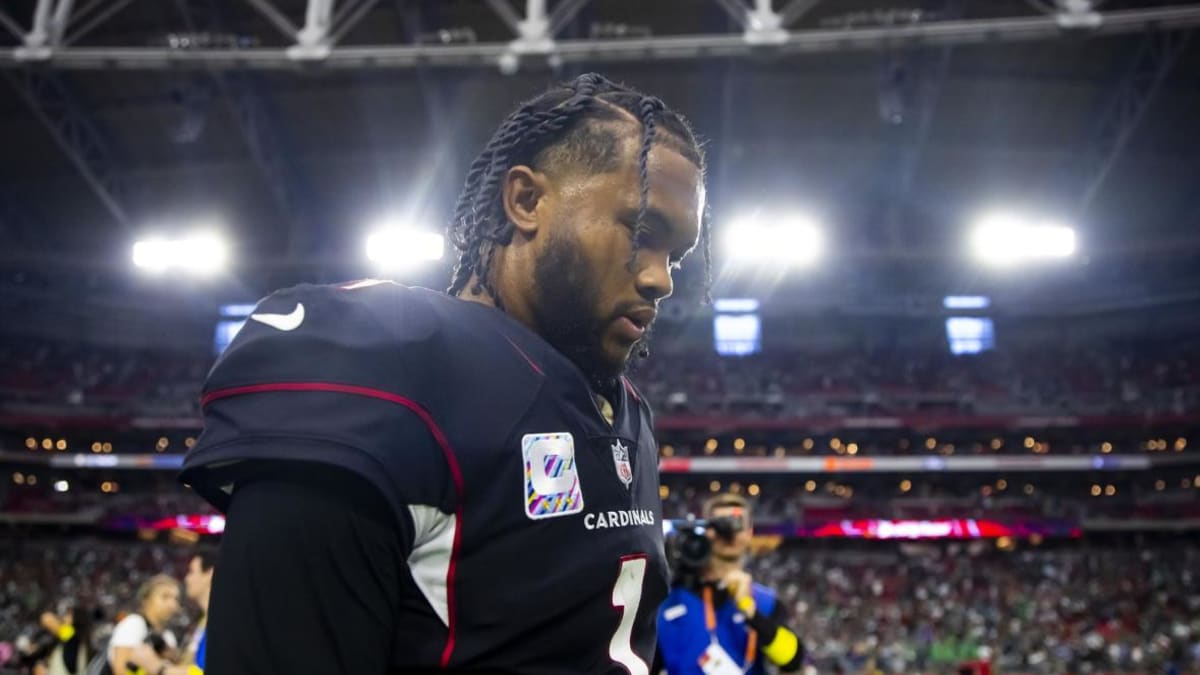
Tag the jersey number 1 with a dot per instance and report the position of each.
(627, 596)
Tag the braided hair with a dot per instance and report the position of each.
(558, 128)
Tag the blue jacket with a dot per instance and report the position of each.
(202, 650)
(683, 634)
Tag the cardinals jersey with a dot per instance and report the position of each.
(537, 541)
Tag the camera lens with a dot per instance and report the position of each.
(694, 548)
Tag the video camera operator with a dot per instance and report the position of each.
(716, 620)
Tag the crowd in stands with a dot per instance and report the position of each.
(45, 376)
(1067, 440)
(99, 576)
(1086, 608)
(1074, 498)
(1082, 607)
(1160, 493)
(1110, 379)
(96, 506)
(147, 492)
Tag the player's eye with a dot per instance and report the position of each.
(649, 239)
(642, 237)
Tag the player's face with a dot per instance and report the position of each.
(592, 304)
(740, 544)
(163, 603)
(198, 581)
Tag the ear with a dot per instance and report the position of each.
(523, 195)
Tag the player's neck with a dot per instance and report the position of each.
(510, 302)
(516, 304)
(482, 297)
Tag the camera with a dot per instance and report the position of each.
(689, 549)
(30, 649)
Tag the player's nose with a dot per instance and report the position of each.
(653, 276)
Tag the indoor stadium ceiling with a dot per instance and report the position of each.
(891, 124)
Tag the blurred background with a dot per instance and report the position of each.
(954, 354)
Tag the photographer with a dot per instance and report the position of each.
(71, 628)
(198, 585)
(158, 601)
(716, 621)
(61, 643)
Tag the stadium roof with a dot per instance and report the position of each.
(895, 121)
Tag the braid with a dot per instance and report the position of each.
(484, 207)
(479, 222)
(589, 83)
(648, 109)
(541, 131)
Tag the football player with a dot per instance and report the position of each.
(414, 478)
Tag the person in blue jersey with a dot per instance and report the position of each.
(197, 586)
(717, 620)
(464, 480)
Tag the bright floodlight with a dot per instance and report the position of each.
(789, 240)
(200, 254)
(1004, 240)
(966, 302)
(401, 247)
(61, 486)
(736, 305)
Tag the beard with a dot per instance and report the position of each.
(568, 310)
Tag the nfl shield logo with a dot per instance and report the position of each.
(621, 460)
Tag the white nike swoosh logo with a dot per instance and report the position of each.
(289, 321)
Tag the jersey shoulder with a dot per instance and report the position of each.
(334, 375)
(374, 377)
(363, 333)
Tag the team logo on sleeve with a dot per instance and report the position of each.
(551, 478)
(621, 461)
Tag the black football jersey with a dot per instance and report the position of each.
(538, 541)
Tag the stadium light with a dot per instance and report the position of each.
(61, 486)
(1004, 240)
(966, 302)
(789, 240)
(201, 254)
(403, 247)
(735, 305)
